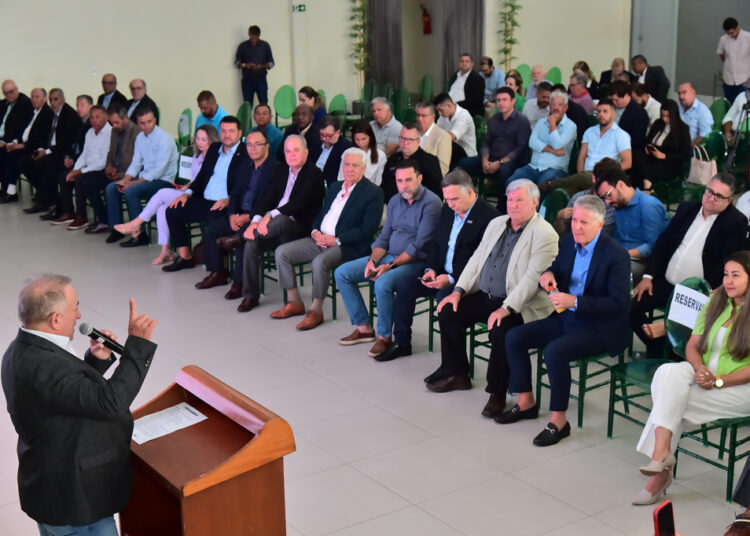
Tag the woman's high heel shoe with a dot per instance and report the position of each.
(644, 497)
(654, 467)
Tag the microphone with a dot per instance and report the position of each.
(90, 331)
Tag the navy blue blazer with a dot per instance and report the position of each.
(605, 303)
(239, 167)
(237, 192)
(331, 169)
(359, 220)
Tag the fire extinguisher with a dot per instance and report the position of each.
(426, 21)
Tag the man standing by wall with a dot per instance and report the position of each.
(254, 58)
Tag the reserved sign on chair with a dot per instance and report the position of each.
(686, 304)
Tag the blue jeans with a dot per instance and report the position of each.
(104, 527)
(351, 273)
(538, 176)
(133, 196)
(253, 86)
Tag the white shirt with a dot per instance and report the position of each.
(735, 112)
(743, 204)
(373, 172)
(457, 88)
(653, 109)
(533, 112)
(5, 118)
(736, 57)
(687, 260)
(58, 340)
(642, 76)
(95, 149)
(331, 219)
(461, 125)
(26, 132)
(425, 135)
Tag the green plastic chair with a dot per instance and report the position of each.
(555, 201)
(480, 129)
(284, 102)
(719, 109)
(525, 72)
(401, 102)
(369, 92)
(184, 129)
(426, 88)
(386, 90)
(323, 97)
(245, 116)
(554, 76)
(592, 120)
(338, 105)
(408, 115)
(716, 146)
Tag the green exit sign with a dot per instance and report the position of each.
(298, 8)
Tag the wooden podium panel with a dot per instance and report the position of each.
(223, 475)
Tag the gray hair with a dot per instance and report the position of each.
(531, 187)
(301, 139)
(458, 177)
(580, 78)
(40, 297)
(357, 151)
(425, 106)
(559, 95)
(593, 204)
(57, 90)
(381, 100)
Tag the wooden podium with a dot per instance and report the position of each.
(222, 476)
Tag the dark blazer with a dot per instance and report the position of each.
(605, 303)
(468, 238)
(634, 121)
(117, 97)
(312, 137)
(726, 236)
(360, 219)
(20, 115)
(66, 133)
(676, 149)
(578, 115)
(656, 82)
(606, 80)
(39, 133)
(238, 167)
(73, 426)
(331, 169)
(81, 139)
(306, 197)
(432, 176)
(240, 185)
(473, 93)
(146, 102)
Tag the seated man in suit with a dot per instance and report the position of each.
(326, 152)
(467, 86)
(111, 94)
(342, 231)
(589, 286)
(456, 238)
(433, 139)
(630, 116)
(399, 253)
(207, 199)
(74, 425)
(153, 167)
(43, 166)
(694, 113)
(652, 76)
(498, 286)
(459, 125)
(385, 127)
(303, 126)
(639, 218)
(16, 111)
(140, 101)
(211, 112)
(286, 213)
(538, 107)
(248, 190)
(429, 165)
(262, 117)
(713, 227)
(652, 106)
(617, 68)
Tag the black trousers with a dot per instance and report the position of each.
(407, 292)
(475, 308)
(91, 186)
(215, 229)
(67, 189)
(639, 311)
(9, 166)
(742, 491)
(195, 210)
(43, 175)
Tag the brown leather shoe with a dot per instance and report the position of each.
(357, 337)
(231, 242)
(247, 304)
(380, 346)
(312, 320)
(494, 406)
(78, 223)
(214, 279)
(459, 382)
(63, 218)
(235, 291)
(290, 309)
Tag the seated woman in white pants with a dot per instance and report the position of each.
(713, 383)
(205, 135)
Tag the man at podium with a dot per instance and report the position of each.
(74, 426)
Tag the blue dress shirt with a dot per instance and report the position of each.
(563, 137)
(216, 189)
(458, 224)
(611, 144)
(640, 223)
(581, 267)
(698, 118)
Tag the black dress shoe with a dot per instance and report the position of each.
(494, 406)
(235, 291)
(179, 264)
(394, 351)
(515, 414)
(114, 236)
(35, 209)
(435, 376)
(551, 435)
(247, 304)
(459, 382)
(8, 198)
(49, 215)
(135, 241)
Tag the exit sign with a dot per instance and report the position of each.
(298, 8)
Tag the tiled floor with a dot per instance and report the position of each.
(376, 452)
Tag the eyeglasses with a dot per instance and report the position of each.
(710, 193)
(256, 145)
(109, 82)
(608, 195)
(402, 138)
(133, 88)
(326, 136)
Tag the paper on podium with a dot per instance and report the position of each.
(165, 422)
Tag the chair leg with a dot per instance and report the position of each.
(431, 327)
(539, 373)
(472, 349)
(731, 459)
(611, 410)
(723, 442)
(704, 433)
(582, 371)
(334, 291)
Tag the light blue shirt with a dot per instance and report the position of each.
(458, 224)
(154, 156)
(614, 141)
(216, 189)
(640, 223)
(698, 118)
(492, 82)
(581, 266)
(215, 120)
(107, 99)
(323, 158)
(563, 137)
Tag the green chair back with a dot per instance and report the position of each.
(525, 72)
(520, 102)
(408, 115)
(719, 109)
(184, 129)
(555, 201)
(401, 102)
(369, 92)
(284, 102)
(480, 127)
(323, 97)
(245, 116)
(592, 120)
(554, 76)
(386, 90)
(338, 105)
(716, 146)
(426, 88)
(677, 334)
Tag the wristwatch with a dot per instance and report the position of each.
(718, 383)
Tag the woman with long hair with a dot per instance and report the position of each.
(364, 138)
(712, 383)
(591, 85)
(667, 146)
(307, 95)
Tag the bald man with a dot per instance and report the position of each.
(140, 100)
(111, 94)
(15, 113)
